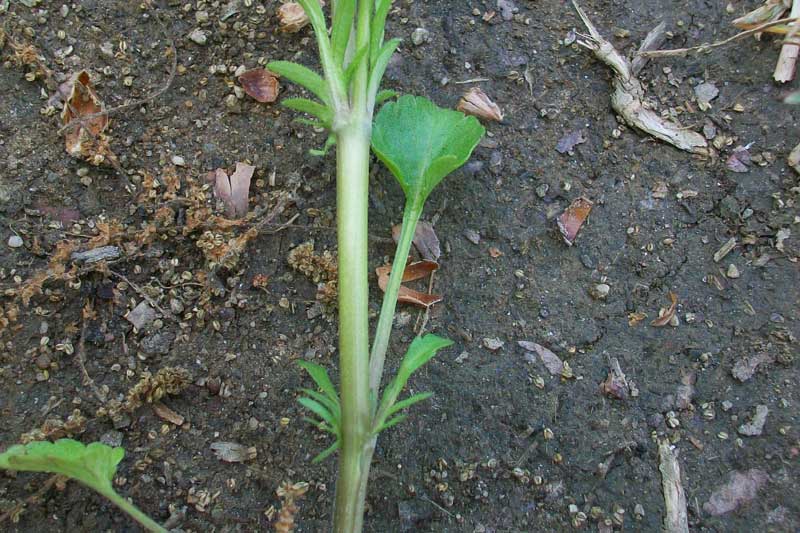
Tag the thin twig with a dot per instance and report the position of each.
(708, 46)
(144, 295)
(52, 480)
(785, 67)
(80, 358)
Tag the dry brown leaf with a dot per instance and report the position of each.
(635, 318)
(413, 271)
(425, 240)
(475, 102)
(84, 140)
(665, 317)
(260, 84)
(495, 252)
(571, 220)
(234, 190)
(165, 413)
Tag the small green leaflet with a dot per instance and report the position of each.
(421, 351)
(421, 143)
(325, 405)
(93, 465)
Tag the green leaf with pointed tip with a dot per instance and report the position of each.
(421, 351)
(315, 109)
(328, 403)
(93, 465)
(303, 76)
(393, 422)
(378, 24)
(385, 94)
(320, 377)
(376, 74)
(319, 410)
(408, 402)
(421, 143)
(351, 68)
(344, 12)
(332, 448)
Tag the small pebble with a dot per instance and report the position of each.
(201, 17)
(43, 361)
(600, 291)
(420, 36)
(178, 161)
(732, 271)
(198, 36)
(15, 241)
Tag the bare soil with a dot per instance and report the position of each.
(476, 457)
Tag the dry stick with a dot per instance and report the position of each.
(80, 357)
(784, 69)
(708, 46)
(675, 518)
(144, 295)
(52, 480)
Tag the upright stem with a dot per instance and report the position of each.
(384, 328)
(352, 169)
(134, 512)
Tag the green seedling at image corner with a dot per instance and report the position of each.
(420, 143)
(93, 465)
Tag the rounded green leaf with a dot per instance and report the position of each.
(421, 143)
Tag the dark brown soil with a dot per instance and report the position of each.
(475, 457)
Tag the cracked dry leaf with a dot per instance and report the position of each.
(260, 84)
(85, 139)
(425, 240)
(413, 271)
(475, 102)
(571, 220)
(234, 190)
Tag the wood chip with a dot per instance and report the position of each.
(665, 317)
(165, 413)
(232, 452)
(676, 518)
(726, 248)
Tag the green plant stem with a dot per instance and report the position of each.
(352, 169)
(134, 512)
(384, 329)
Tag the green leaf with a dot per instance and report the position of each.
(328, 403)
(393, 422)
(320, 377)
(351, 68)
(303, 76)
(332, 448)
(408, 402)
(421, 143)
(319, 410)
(792, 98)
(343, 14)
(385, 94)
(329, 142)
(378, 24)
(93, 465)
(421, 351)
(315, 109)
(376, 74)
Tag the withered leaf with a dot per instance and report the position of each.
(413, 271)
(232, 452)
(665, 318)
(425, 240)
(569, 141)
(745, 367)
(82, 101)
(234, 190)
(551, 361)
(571, 220)
(260, 84)
(475, 102)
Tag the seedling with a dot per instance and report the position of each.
(420, 144)
(93, 465)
